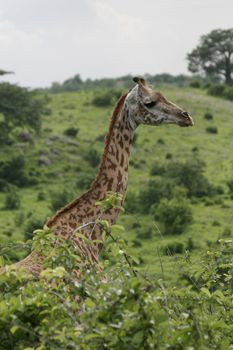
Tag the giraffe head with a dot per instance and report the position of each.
(150, 107)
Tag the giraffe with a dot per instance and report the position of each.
(141, 105)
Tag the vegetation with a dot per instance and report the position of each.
(19, 108)
(76, 83)
(166, 277)
(213, 55)
(117, 308)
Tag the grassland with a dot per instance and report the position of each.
(59, 163)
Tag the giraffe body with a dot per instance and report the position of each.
(141, 105)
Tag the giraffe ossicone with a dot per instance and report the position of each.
(141, 105)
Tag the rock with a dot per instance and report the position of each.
(44, 160)
(25, 136)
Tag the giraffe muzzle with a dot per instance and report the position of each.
(186, 120)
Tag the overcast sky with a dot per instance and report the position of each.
(51, 40)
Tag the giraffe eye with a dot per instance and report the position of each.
(150, 104)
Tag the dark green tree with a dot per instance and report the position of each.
(19, 107)
(4, 72)
(213, 57)
(175, 215)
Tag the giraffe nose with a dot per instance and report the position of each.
(187, 121)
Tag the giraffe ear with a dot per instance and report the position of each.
(140, 81)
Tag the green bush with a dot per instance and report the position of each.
(168, 156)
(230, 185)
(3, 185)
(105, 98)
(59, 199)
(84, 180)
(195, 84)
(20, 107)
(173, 248)
(216, 90)
(131, 203)
(157, 169)
(144, 233)
(19, 218)
(31, 224)
(190, 175)
(208, 116)
(93, 157)
(175, 215)
(228, 93)
(12, 199)
(221, 91)
(72, 132)
(12, 170)
(153, 192)
(212, 129)
(128, 310)
(41, 196)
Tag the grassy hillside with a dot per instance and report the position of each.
(63, 166)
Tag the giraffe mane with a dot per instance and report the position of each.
(84, 195)
(115, 114)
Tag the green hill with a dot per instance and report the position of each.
(61, 162)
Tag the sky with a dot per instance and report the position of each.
(43, 41)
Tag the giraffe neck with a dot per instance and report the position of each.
(113, 172)
(112, 176)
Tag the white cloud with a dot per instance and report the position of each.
(128, 25)
(47, 40)
(12, 36)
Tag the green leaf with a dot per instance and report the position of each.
(14, 329)
(2, 261)
(206, 292)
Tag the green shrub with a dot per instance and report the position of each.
(157, 169)
(93, 157)
(175, 215)
(212, 129)
(105, 98)
(208, 116)
(216, 90)
(230, 185)
(20, 108)
(84, 180)
(228, 93)
(3, 185)
(227, 232)
(72, 132)
(190, 175)
(12, 200)
(129, 310)
(195, 84)
(221, 91)
(161, 142)
(131, 203)
(31, 224)
(153, 192)
(12, 170)
(59, 199)
(41, 196)
(19, 218)
(190, 244)
(173, 248)
(144, 233)
(168, 156)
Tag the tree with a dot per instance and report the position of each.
(175, 215)
(4, 72)
(213, 57)
(19, 107)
